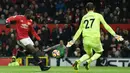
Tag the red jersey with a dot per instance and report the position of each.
(23, 26)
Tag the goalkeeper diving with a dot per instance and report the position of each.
(90, 29)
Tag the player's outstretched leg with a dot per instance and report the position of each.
(89, 54)
(68, 61)
(94, 57)
(36, 54)
(40, 63)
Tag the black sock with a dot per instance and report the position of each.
(68, 61)
(35, 56)
(37, 59)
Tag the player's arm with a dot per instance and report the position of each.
(53, 47)
(12, 18)
(109, 29)
(79, 31)
(34, 33)
(76, 36)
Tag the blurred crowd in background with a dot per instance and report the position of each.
(112, 48)
(66, 12)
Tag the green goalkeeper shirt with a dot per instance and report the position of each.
(90, 25)
(61, 48)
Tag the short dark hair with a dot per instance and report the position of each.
(28, 11)
(90, 6)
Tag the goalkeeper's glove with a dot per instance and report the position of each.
(119, 38)
(70, 43)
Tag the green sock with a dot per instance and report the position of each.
(84, 57)
(94, 57)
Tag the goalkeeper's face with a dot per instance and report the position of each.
(61, 42)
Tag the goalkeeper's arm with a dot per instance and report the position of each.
(109, 29)
(79, 31)
(76, 36)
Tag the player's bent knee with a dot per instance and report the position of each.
(31, 48)
(90, 55)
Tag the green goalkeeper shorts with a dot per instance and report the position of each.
(92, 43)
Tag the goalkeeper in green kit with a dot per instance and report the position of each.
(90, 29)
(63, 52)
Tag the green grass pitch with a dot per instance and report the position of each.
(36, 69)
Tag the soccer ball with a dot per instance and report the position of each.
(56, 53)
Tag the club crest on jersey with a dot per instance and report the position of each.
(25, 26)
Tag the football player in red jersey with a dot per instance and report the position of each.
(23, 26)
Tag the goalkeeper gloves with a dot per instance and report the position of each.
(119, 38)
(70, 43)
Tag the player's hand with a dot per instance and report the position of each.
(119, 38)
(70, 43)
(7, 25)
(38, 38)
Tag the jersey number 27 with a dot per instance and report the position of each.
(89, 21)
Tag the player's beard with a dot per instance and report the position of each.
(29, 17)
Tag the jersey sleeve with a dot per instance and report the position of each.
(34, 33)
(79, 31)
(12, 18)
(107, 27)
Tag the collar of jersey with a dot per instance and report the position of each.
(90, 11)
